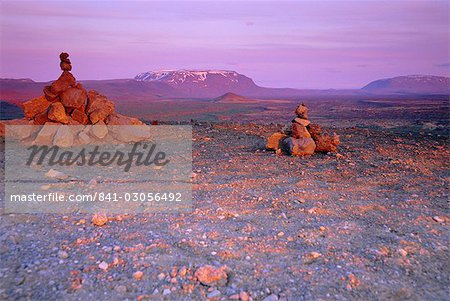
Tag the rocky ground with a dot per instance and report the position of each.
(370, 222)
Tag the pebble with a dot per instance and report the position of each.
(271, 298)
(244, 296)
(138, 275)
(403, 252)
(213, 294)
(103, 266)
(161, 276)
(438, 219)
(62, 254)
(54, 174)
(120, 289)
(166, 292)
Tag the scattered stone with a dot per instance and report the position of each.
(271, 297)
(99, 219)
(211, 276)
(103, 266)
(161, 276)
(244, 296)
(62, 254)
(120, 288)
(213, 294)
(311, 257)
(438, 219)
(54, 174)
(138, 275)
(166, 292)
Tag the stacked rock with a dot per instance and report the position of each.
(301, 138)
(66, 102)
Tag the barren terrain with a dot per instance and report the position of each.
(370, 222)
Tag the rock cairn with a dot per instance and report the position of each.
(66, 102)
(301, 137)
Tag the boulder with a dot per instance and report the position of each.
(21, 129)
(99, 107)
(65, 81)
(299, 131)
(57, 113)
(302, 111)
(49, 95)
(65, 66)
(35, 106)
(130, 133)
(212, 276)
(325, 142)
(41, 118)
(273, 142)
(118, 119)
(74, 98)
(99, 130)
(79, 116)
(304, 122)
(46, 134)
(298, 147)
(83, 138)
(63, 136)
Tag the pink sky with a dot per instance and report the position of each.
(301, 44)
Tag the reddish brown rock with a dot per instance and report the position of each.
(57, 113)
(49, 95)
(99, 107)
(273, 142)
(79, 116)
(212, 276)
(304, 122)
(35, 106)
(21, 132)
(41, 118)
(74, 98)
(65, 66)
(302, 111)
(118, 119)
(324, 142)
(298, 147)
(299, 131)
(63, 56)
(65, 81)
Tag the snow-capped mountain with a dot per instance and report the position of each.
(411, 84)
(202, 83)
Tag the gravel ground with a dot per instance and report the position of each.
(369, 223)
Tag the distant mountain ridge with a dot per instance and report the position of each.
(411, 84)
(213, 84)
(202, 83)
